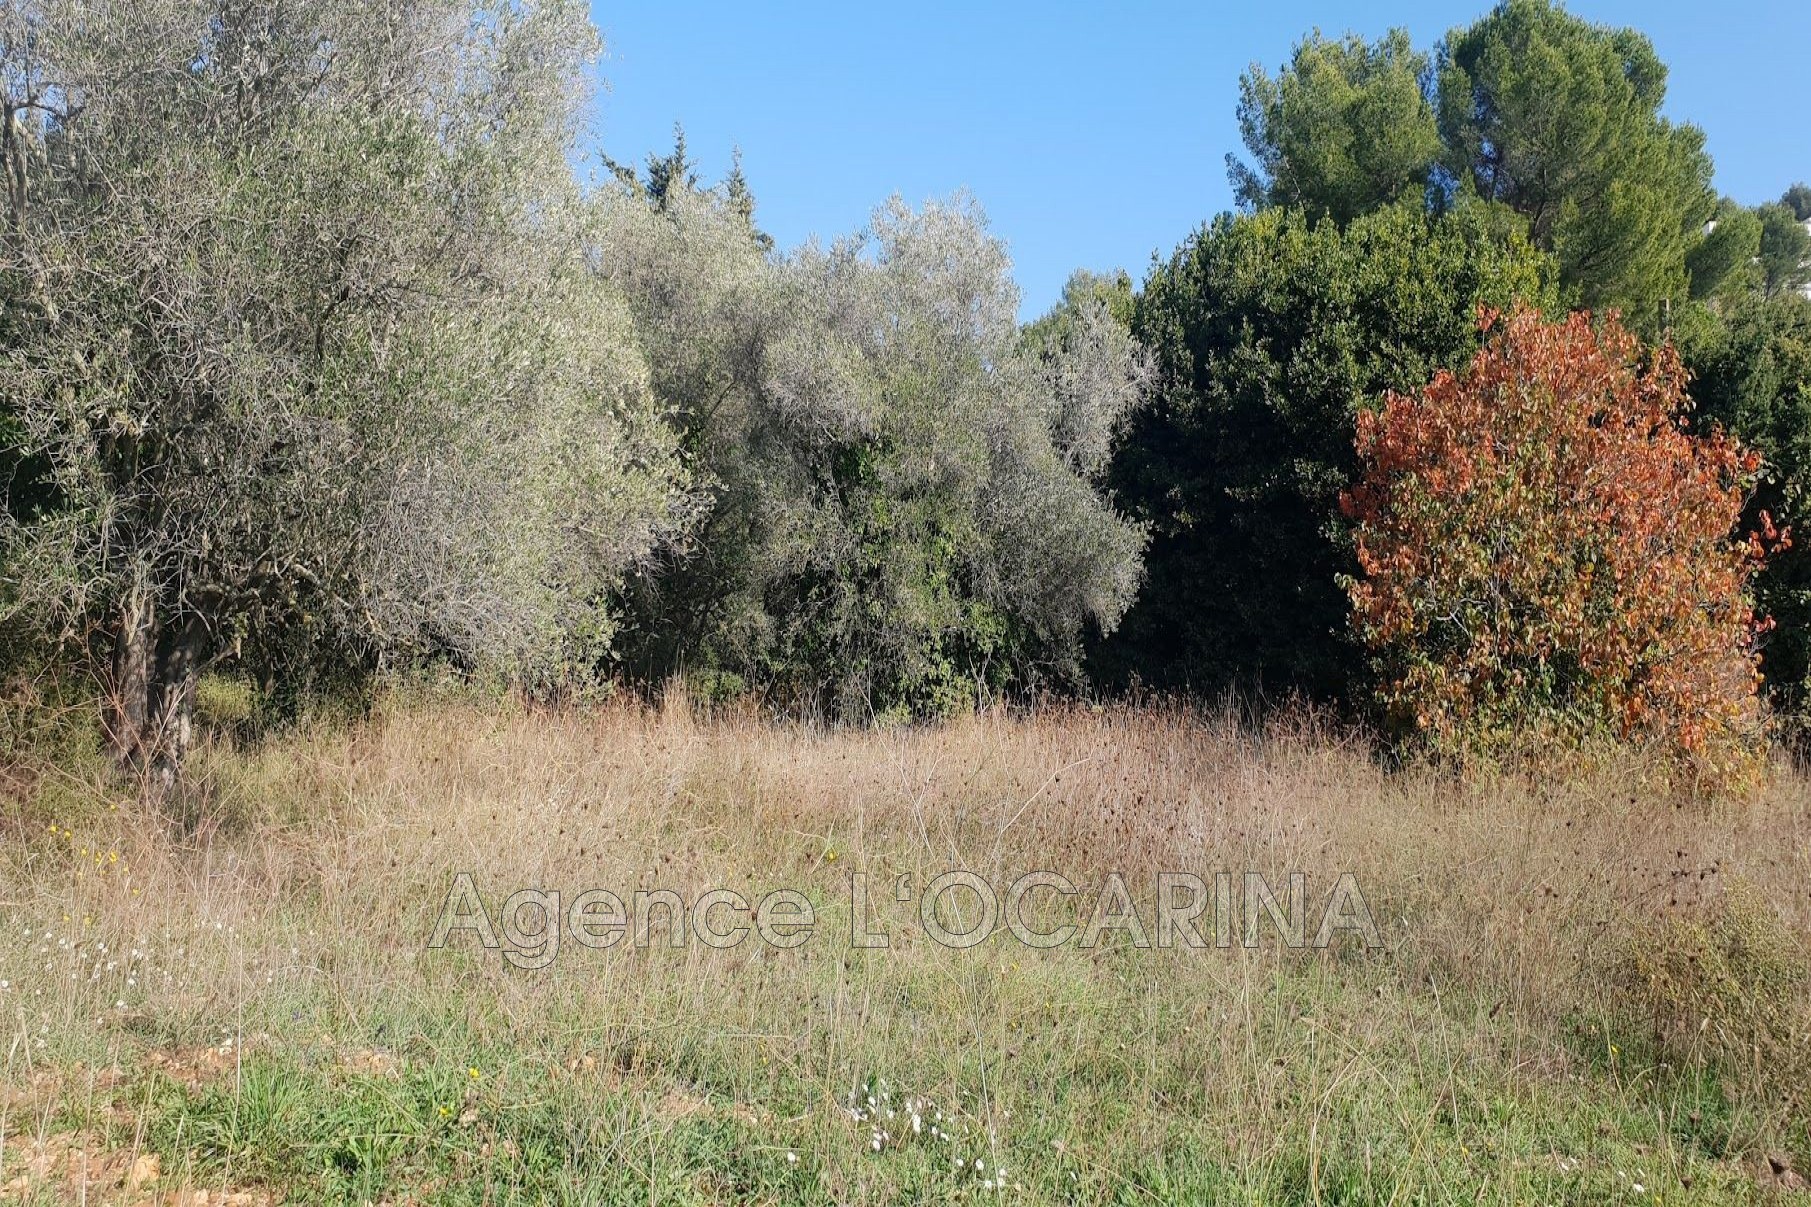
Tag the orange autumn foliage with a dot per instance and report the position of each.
(1546, 551)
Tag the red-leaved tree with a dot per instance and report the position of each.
(1546, 551)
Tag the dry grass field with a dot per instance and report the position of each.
(1587, 993)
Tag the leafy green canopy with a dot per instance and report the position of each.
(1532, 109)
(1271, 333)
(903, 509)
(1723, 262)
(1751, 373)
(1784, 254)
(1798, 200)
(1559, 119)
(1340, 131)
(301, 341)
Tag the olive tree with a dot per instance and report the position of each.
(302, 345)
(905, 511)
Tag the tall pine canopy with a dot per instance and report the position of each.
(1559, 119)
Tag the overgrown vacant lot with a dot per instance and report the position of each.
(1582, 993)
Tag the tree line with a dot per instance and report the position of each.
(1389, 196)
(319, 358)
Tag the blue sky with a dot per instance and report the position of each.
(1093, 134)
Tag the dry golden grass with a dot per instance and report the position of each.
(1518, 1036)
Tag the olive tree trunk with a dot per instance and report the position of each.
(150, 704)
